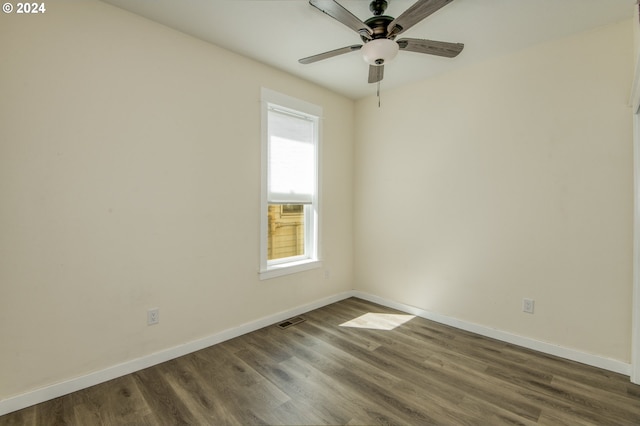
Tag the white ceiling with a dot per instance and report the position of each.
(279, 32)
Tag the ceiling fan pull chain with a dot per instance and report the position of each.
(378, 93)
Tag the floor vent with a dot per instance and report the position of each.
(290, 322)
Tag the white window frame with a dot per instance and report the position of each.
(311, 259)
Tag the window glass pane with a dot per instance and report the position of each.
(286, 231)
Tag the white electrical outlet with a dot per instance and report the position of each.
(527, 305)
(153, 316)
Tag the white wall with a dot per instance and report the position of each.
(509, 179)
(130, 179)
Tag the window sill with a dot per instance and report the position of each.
(289, 268)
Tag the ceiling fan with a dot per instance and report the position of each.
(379, 34)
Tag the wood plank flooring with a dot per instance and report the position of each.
(323, 372)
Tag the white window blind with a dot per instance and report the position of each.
(291, 158)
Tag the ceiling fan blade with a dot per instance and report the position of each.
(416, 13)
(342, 15)
(376, 72)
(329, 54)
(431, 47)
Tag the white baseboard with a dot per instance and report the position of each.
(526, 342)
(63, 388)
(37, 396)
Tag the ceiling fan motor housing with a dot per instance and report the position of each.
(379, 26)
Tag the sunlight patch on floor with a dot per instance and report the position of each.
(378, 321)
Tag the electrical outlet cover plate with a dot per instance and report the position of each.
(528, 305)
(153, 316)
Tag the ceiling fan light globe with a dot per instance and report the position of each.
(379, 51)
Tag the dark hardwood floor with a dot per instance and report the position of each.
(323, 372)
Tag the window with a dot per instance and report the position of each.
(289, 213)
